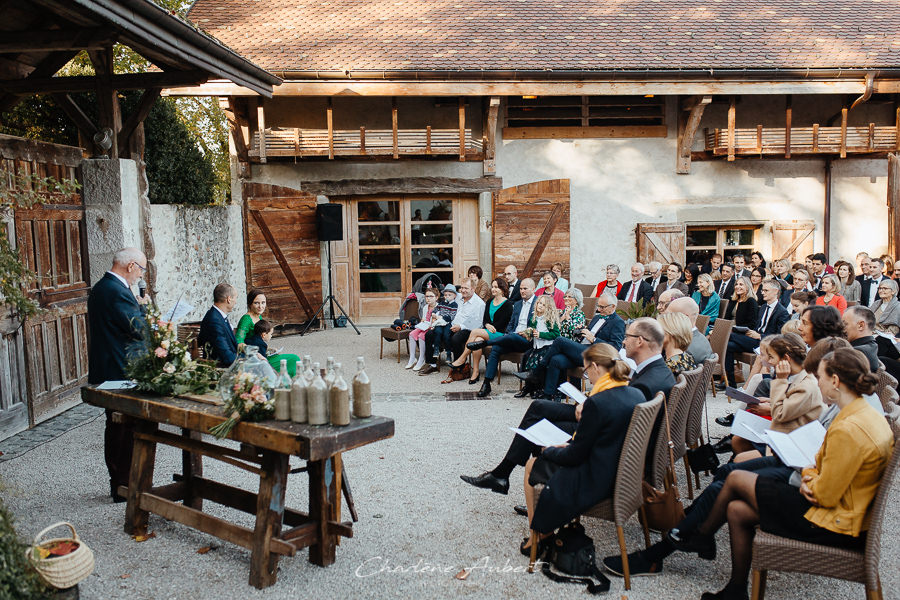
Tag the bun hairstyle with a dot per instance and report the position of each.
(790, 345)
(852, 369)
(607, 357)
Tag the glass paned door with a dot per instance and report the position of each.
(431, 238)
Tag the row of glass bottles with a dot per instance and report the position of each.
(311, 398)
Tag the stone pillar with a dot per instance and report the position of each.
(112, 210)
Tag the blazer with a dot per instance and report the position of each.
(645, 292)
(712, 306)
(776, 320)
(699, 347)
(890, 318)
(837, 301)
(851, 291)
(866, 286)
(501, 317)
(655, 377)
(679, 285)
(796, 403)
(868, 346)
(115, 329)
(649, 281)
(745, 314)
(589, 462)
(514, 294)
(729, 289)
(557, 297)
(849, 467)
(612, 333)
(516, 313)
(218, 338)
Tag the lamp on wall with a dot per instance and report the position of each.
(103, 140)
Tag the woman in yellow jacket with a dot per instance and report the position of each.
(831, 505)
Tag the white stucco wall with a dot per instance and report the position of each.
(196, 249)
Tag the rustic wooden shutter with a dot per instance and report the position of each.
(282, 250)
(531, 227)
(662, 242)
(793, 240)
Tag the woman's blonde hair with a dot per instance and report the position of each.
(792, 326)
(710, 284)
(607, 357)
(835, 281)
(551, 314)
(747, 284)
(678, 327)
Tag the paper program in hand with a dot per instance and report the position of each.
(544, 434)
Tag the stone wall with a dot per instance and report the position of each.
(196, 249)
(112, 210)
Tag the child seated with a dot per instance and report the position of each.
(261, 336)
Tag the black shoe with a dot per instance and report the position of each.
(727, 593)
(488, 481)
(542, 544)
(637, 565)
(476, 380)
(702, 545)
(723, 445)
(485, 390)
(114, 493)
(476, 345)
(521, 509)
(720, 386)
(725, 421)
(523, 375)
(522, 393)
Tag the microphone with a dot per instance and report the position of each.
(142, 288)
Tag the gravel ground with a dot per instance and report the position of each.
(419, 524)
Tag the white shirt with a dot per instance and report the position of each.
(597, 326)
(873, 288)
(523, 314)
(470, 315)
(120, 278)
(224, 315)
(632, 293)
(640, 366)
(767, 316)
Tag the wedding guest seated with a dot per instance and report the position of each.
(543, 328)
(757, 260)
(673, 281)
(572, 319)
(677, 328)
(707, 299)
(859, 324)
(887, 308)
(256, 306)
(655, 275)
(819, 322)
(850, 287)
(727, 280)
(605, 327)
(791, 326)
(439, 335)
(636, 288)
(869, 282)
(643, 345)
(497, 314)
(691, 273)
(611, 282)
(580, 473)
(699, 347)
(770, 317)
(662, 303)
(417, 336)
(799, 283)
(469, 316)
(781, 272)
(562, 284)
(743, 308)
(830, 290)
(480, 286)
(831, 505)
(798, 303)
(260, 337)
(711, 267)
(511, 274)
(216, 336)
(550, 289)
(888, 261)
(756, 278)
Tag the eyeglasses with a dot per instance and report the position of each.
(143, 269)
(635, 335)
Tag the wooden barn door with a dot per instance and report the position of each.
(793, 240)
(281, 249)
(531, 227)
(662, 242)
(51, 241)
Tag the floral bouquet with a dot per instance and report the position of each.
(165, 365)
(249, 401)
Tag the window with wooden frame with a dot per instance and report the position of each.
(551, 117)
(702, 241)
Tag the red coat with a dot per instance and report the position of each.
(558, 297)
(601, 287)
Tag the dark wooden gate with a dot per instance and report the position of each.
(531, 227)
(51, 241)
(282, 250)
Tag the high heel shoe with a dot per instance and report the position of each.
(476, 380)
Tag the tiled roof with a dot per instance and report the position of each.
(559, 35)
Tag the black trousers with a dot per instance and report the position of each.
(561, 415)
(118, 443)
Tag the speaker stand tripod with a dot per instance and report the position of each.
(331, 301)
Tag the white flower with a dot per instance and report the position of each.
(169, 368)
(164, 344)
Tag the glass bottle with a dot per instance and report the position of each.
(362, 391)
(340, 399)
(298, 396)
(329, 371)
(308, 374)
(283, 394)
(317, 399)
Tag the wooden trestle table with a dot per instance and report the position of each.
(264, 451)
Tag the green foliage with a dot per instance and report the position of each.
(39, 118)
(636, 310)
(17, 578)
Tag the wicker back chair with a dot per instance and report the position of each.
(390, 334)
(589, 308)
(627, 497)
(771, 552)
(659, 465)
(702, 323)
(680, 418)
(886, 390)
(586, 289)
(718, 340)
(694, 430)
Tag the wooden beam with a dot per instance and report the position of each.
(689, 128)
(140, 112)
(47, 67)
(261, 129)
(110, 115)
(731, 110)
(88, 83)
(52, 40)
(409, 185)
(490, 137)
(871, 143)
(394, 125)
(237, 133)
(893, 202)
(74, 112)
(329, 117)
(544, 239)
(462, 129)
(362, 139)
(788, 115)
(428, 139)
(575, 132)
(282, 262)
(844, 112)
(759, 138)
(815, 141)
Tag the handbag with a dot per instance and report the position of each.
(571, 552)
(663, 509)
(703, 457)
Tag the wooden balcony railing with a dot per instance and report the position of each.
(803, 140)
(395, 143)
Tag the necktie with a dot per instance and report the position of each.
(765, 319)
(633, 291)
(722, 287)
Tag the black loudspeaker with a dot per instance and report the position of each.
(329, 222)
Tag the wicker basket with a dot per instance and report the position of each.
(65, 571)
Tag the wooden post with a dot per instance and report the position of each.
(826, 217)
(428, 139)
(396, 153)
(296, 141)
(815, 137)
(462, 129)
(490, 137)
(871, 136)
(110, 116)
(759, 138)
(731, 110)
(329, 117)
(140, 479)
(237, 135)
(788, 114)
(362, 139)
(893, 202)
(687, 129)
(324, 492)
(191, 469)
(843, 136)
(269, 517)
(261, 129)
(897, 127)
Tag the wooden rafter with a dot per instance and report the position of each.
(490, 137)
(74, 112)
(689, 129)
(43, 40)
(148, 98)
(86, 83)
(235, 123)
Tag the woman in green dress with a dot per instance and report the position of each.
(256, 306)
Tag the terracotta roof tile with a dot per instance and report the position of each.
(534, 35)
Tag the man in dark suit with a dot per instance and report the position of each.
(673, 276)
(712, 265)
(216, 336)
(740, 266)
(511, 341)
(606, 327)
(868, 293)
(772, 315)
(636, 289)
(725, 286)
(511, 274)
(655, 275)
(116, 331)
(643, 345)
(859, 322)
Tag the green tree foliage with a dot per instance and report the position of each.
(17, 579)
